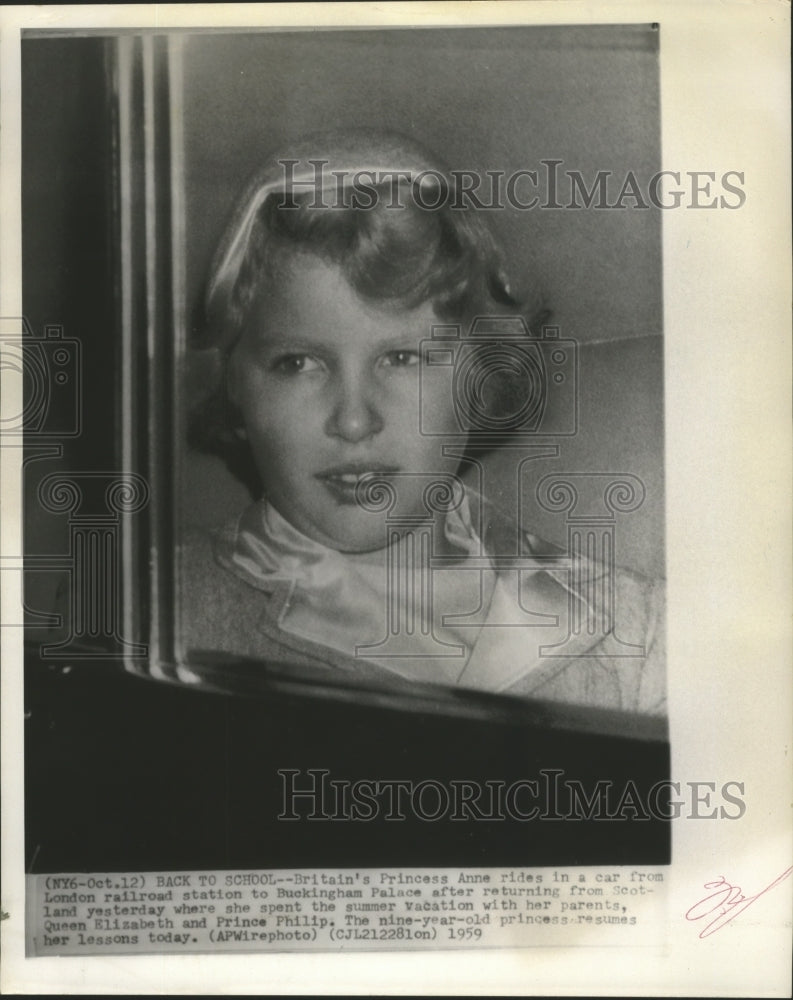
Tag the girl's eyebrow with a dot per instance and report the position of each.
(295, 344)
(405, 341)
(288, 343)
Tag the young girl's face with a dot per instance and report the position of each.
(328, 385)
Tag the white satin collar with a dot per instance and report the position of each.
(343, 600)
(263, 548)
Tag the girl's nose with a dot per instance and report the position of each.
(355, 414)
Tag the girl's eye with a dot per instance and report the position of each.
(295, 364)
(401, 359)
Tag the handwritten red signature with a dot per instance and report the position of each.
(726, 903)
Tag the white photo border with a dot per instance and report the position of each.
(725, 106)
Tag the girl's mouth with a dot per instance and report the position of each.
(342, 481)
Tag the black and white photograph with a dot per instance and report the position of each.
(347, 432)
(357, 392)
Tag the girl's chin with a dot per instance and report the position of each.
(361, 532)
(358, 541)
(348, 528)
